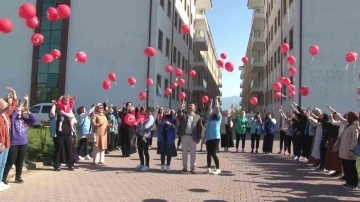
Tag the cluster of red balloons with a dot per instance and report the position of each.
(106, 84)
(229, 66)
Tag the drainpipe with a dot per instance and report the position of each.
(300, 48)
(172, 45)
(149, 44)
(281, 41)
(188, 77)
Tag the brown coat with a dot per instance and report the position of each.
(4, 132)
(100, 124)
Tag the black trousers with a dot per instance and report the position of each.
(63, 141)
(62, 153)
(143, 151)
(323, 151)
(297, 142)
(282, 139)
(243, 138)
(287, 143)
(16, 156)
(255, 137)
(111, 141)
(268, 143)
(350, 172)
(211, 147)
(125, 141)
(179, 141)
(306, 146)
(83, 147)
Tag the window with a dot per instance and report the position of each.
(35, 109)
(176, 19)
(160, 40)
(267, 17)
(275, 58)
(284, 8)
(183, 63)
(162, 3)
(187, 39)
(45, 109)
(188, 11)
(177, 93)
(271, 64)
(191, 19)
(174, 54)
(167, 51)
(279, 54)
(190, 42)
(166, 85)
(189, 67)
(158, 85)
(275, 21)
(291, 38)
(272, 4)
(169, 8)
(178, 59)
(173, 94)
(180, 24)
(185, 4)
(272, 33)
(186, 67)
(279, 18)
(290, 2)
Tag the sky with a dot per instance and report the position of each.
(230, 22)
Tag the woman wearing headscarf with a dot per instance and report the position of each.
(226, 131)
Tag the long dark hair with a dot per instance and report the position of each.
(352, 117)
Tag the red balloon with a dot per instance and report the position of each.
(52, 14)
(291, 87)
(192, 73)
(178, 72)
(277, 95)
(56, 54)
(81, 57)
(281, 79)
(220, 63)
(292, 71)
(355, 54)
(350, 57)
(142, 96)
(284, 48)
(27, 11)
(291, 93)
(149, 82)
(229, 66)
(314, 50)
(205, 99)
(291, 60)
(174, 85)
(150, 51)
(223, 56)
(106, 84)
(47, 58)
(37, 39)
(286, 81)
(130, 119)
(244, 60)
(64, 11)
(131, 81)
(277, 86)
(6, 26)
(168, 69)
(181, 82)
(32, 23)
(168, 91)
(112, 76)
(182, 95)
(253, 101)
(304, 90)
(185, 29)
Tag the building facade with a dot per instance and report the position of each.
(328, 24)
(113, 35)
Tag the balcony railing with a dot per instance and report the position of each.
(200, 58)
(257, 58)
(256, 84)
(200, 11)
(257, 33)
(200, 82)
(201, 34)
(259, 10)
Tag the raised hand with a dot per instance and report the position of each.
(26, 97)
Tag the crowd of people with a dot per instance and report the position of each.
(326, 141)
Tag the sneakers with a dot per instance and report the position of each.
(88, 157)
(81, 158)
(63, 165)
(242, 151)
(216, 172)
(168, 168)
(345, 186)
(162, 168)
(296, 158)
(139, 167)
(3, 186)
(209, 171)
(145, 168)
(150, 148)
(279, 152)
(19, 181)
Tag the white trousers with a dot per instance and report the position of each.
(188, 143)
(98, 155)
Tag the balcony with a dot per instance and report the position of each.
(205, 4)
(241, 85)
(200, 85)
(257, 87)
(257, 41)
(200, 62)
(257, 64)
(201, 41)
(200, 20)
(241, 94)
(242, 75)
(255, 3)
(258, 19)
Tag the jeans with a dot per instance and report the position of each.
(83, 146)
(282, 139)
(16, 156)
(255, 137)
(211, 146)
(143, 151)
(3, 159)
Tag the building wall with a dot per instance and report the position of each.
(15, 50)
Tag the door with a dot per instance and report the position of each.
(36, 111)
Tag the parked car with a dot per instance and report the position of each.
(41, 111)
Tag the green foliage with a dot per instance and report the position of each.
(41, 145)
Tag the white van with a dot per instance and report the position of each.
(41, 111)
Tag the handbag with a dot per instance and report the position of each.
(91, 137)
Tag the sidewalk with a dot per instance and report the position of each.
(245, 177)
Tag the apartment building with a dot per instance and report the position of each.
(114, 35)
(329, 24)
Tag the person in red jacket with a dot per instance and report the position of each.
(64, 106)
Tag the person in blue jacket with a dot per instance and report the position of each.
(213, 136)
(269, 129)
(255, 131)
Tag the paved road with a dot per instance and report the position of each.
(245, 177)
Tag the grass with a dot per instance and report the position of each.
(41, 147)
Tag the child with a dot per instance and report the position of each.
(64, 105)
